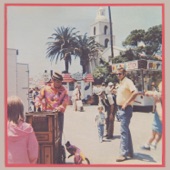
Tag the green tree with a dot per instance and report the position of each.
(134, 37)
(86, 47)
(104, 74)
(62, 45)
(152, 40)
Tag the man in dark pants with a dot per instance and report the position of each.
(54, 98)
(126, 93)
(108, 102)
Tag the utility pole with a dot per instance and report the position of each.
(111, 34)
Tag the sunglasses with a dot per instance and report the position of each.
(119, 74)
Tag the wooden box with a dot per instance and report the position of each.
(46, 130)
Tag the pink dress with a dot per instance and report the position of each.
(22, 144)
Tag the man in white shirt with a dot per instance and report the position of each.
(126, 93)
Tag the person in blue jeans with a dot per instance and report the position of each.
(126, 93)
(100, 120)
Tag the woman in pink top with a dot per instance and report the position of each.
(22, 142)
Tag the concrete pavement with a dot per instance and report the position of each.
(80, 129)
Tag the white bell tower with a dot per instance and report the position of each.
(101, 28)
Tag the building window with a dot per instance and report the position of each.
(94, 31)
(106, 43)
(105, 29)
(71, 86)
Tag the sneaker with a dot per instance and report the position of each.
(153, 147)
(146, 148)
(100, 140)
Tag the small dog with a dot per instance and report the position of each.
(78, 155)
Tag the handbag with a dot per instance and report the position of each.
(79, 103)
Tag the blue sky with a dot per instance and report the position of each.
(29, 29)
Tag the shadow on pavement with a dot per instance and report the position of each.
(143, 157)
(116, 137)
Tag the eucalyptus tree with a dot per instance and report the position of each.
(62, 45)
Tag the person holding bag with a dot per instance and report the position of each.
(76, 98)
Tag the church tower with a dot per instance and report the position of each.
(101, 28)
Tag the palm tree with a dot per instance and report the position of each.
(86, 47)
(62, 45)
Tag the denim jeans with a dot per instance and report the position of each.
(126, 146)
(100, 131)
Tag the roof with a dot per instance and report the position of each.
(67, 78)
(89, 78)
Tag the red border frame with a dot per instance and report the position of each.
(6, 83)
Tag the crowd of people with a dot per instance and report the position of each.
(114, 99)
(118, 102)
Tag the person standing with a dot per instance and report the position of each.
(22, 142)
(109, 104)
(76, 96)
(109, 88)
(54, 98)
(126, 93)
(100, 120)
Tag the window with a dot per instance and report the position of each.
(106, 43)
(105, 29)
(94, 31)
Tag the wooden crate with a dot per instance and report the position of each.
(46, 130)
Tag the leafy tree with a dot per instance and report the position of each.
(134, 37)
(62, 45)
(104, 74)
(86, 47)
(152, 40)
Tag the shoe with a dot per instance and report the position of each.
(146, 148)
(121, 159)
(109, 137)
(100, 140)
(153, 147)
(130, 155)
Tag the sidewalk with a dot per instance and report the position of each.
(80, 129)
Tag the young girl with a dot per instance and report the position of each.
(157, 122)
(100, 120)
(22, 142)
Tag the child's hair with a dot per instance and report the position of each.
(100, 107)
(15, 109)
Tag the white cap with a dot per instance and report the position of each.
(110, 84)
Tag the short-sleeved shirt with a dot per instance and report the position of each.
(51, 98)
(124, 91)
(100, 118)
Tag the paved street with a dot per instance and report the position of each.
(80, 129)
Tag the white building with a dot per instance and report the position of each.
(17, 77)
(100, 29)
